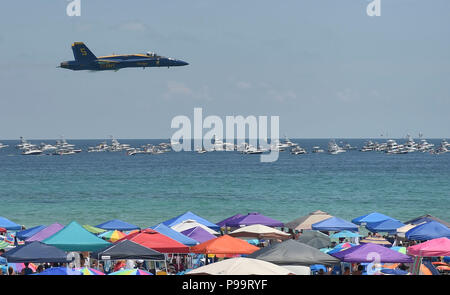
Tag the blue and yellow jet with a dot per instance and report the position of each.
(86, 60)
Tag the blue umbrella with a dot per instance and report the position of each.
(345, 234)
(389, 271)
(60, 271)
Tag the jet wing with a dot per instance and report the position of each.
(106, 61)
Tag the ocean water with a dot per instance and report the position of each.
(91, 188)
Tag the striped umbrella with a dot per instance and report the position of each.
(375, 240)
(131, 272)
(112, 235)
(90, 271)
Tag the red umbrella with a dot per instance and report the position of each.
(2, 230)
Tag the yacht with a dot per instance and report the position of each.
(218, 144)
(31, 151)
(289, 143)
(201, 150)
(116, 146)
(102, 147)
(62, 152)
(2, 146)
(47, 147)
(298, 150)
(252, 150)
(349, 147)
(424, 146)
(317, 149)
(24, 144)
(334, 149)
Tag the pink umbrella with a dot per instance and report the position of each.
(431, 248)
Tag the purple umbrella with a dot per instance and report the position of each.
(199, 234)
(372, 253)
(254, 218)
(225, 222)
(45, 233)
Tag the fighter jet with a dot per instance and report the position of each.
(86, 60)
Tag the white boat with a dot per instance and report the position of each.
(334, 149)
(201, 150)
(24, 145)
(62, 152)
(47, 147)
(252, 150)
(2, 146)
(31, 151)
(298, 150)
(317, 149)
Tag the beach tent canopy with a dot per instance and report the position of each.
(198, 234)
(427, 218)
(25, 234)
(345, 234)
(117, 224)
(372, 217)
(8, 224)
(388, 225)
(190, 223)
(45, 233)
(431, 248)
(225, 222)
(240, 266)
(74, 237)
(367, 253)
(127, 249)
(428, 231)
(314, 239)
(177, 236)
(93, 229)
(334, 224)
(154, 240)
(401, 231)
(375, 240)
(259, 231)
(305, 222)
(189, 215)
(291, 252)
(340, 247)
(36, 252)
(254, 218)
(224, 245)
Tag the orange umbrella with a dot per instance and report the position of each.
(224, 245)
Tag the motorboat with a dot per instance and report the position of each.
(317, 149)
(334, 149)
(201, 150)
(24, 145)
(31, 151)
(47, 147)
(298, 150)
(2, 146)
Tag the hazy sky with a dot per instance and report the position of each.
(324, 66)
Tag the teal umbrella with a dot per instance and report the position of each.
(345, 234)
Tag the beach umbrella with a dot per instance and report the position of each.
(389, 271)
(345, 234)
(254, 218)
(225, 222)
(428, 231)
(259, 231)
(86, 271)
(401, 231)
(198, 234)
(177, 236)
(190, 223)
(60, 271)
(431, 248)
(334, 224)
(372, 217)
(131, 272)
(18, 267)
(8, 224)
(314, 239)
(224, 245)
(112, 235)
(25, 234)
(375, 240)
(117, 224)
(191, 216)
(93, 229)
(3, 230)
(371, 253)
(154, 240)
(341, 247)
(4, 245)
(240, 266)
(427, 218)
(45, 233)
(399, 249)
(388, 225)
(291, 252)
(305, 222)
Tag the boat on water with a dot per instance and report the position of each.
(31, 151)
(252, 150)
(317, 149)
(2, 146)
(298, 150)
(201, 150)
(24, 145)
(47, 147)
(334, 149)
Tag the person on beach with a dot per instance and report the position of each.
(40, 268)
(346, 271)
(359, 270)
(11, 271)
(27, 270)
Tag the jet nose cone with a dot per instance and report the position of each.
(182, 63)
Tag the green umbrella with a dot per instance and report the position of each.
(93, 229)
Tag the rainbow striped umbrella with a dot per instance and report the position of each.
(112, 235)
(131, 272)
(86, 271)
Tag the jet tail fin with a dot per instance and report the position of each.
(82, 53)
